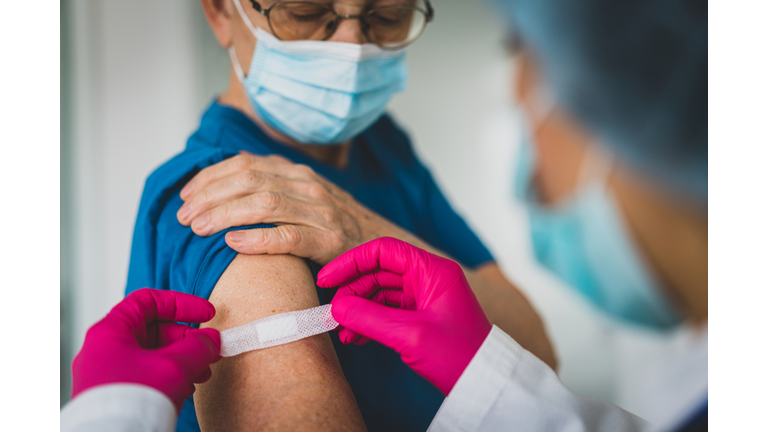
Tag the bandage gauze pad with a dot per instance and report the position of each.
(277, 330)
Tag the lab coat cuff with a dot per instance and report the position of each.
(479, 386)
(119, 407)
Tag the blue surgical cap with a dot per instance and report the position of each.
(634, 72)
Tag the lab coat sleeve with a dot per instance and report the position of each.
(506, 387)
(119, 408)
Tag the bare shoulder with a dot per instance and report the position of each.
(296, 386)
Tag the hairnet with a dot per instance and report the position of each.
(634, 72)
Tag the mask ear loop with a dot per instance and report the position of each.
(236, 64)
(232, 54)
(244, 17)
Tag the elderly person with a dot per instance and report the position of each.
(309, 84)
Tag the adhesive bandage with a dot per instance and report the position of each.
(277, 330)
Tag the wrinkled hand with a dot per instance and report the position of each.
(415, 302)
(139, 342)
(316, 219)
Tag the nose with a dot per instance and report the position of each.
(349, 30)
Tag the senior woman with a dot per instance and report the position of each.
(614, 174)
(309, 84)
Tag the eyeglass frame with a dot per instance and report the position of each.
(429, 15)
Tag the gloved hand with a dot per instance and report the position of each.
(412, 301)
(139, 342)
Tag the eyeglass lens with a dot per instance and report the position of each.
(388, 26)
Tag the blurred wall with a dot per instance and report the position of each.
(137, 75)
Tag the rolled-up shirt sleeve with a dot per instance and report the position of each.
(506, 387)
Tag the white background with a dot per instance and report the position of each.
(137, 75)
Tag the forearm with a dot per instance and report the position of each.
(296, 386)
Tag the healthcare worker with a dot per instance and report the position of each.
(138, 365)
(624, 86)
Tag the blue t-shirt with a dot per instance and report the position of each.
(383, 173)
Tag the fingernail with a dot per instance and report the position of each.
(185, 211)
(236, 236)
(200, 222)
(187, 189)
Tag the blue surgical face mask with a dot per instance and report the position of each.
(319, 92)
(585, 242)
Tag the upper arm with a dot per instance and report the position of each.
(296, 386)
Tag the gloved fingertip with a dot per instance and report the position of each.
(342, 310)
(322, 281)
(333, 274)
(211, 311)
(182, 307)
(204, 376)
(346, 336)
(339, 306)
(214, 335)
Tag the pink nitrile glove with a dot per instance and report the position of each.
(138, 342)
(412, 301)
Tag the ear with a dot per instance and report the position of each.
(218, 13)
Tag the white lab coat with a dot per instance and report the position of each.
(119, 408)
(506, 387)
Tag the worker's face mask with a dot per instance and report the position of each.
(319, 92)
(586, 243)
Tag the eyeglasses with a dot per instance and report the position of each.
(391, 27)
